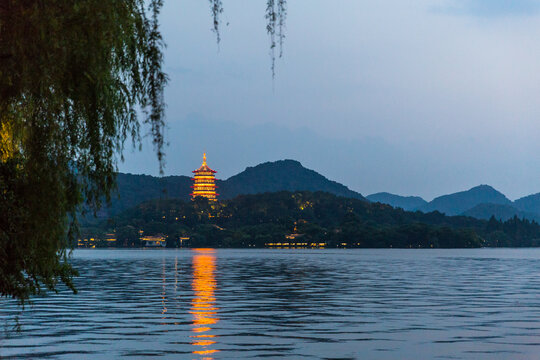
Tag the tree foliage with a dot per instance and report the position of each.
(77, 79)
(74, 77)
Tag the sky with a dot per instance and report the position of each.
(424, 97)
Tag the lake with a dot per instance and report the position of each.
(292, 304)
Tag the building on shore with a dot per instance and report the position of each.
(154, 241)
(204, 182)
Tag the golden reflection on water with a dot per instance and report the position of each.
(203, 305)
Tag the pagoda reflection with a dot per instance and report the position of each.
(203, 305)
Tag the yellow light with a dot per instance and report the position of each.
(7, 145)
(204, 182)
(203, 342)
(201, 329)
(205, 352)
(203, 308)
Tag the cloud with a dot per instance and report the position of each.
(491, 8)
(404, 99)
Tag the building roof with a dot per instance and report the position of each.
(204, 167)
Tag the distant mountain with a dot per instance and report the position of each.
(458, 203)
(409, 203)
(289, 175)
(134, 189)
(500, 212)
(530, 204)
(283, 175)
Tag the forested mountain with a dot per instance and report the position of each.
(256, 220)
(288, 175)
(283, 175)
(410, 203)
(458, 203)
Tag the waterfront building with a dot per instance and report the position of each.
(204, 182)
(154, 241)
(110, 237)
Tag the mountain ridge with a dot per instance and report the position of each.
(459, 202)
(529, 203)
(501, 212)
(272, 176)
(481, 201)
(282, 175)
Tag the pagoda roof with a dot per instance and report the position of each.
(204, 167)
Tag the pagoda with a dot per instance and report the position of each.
(204, 182)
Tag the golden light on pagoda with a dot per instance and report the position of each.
(204, 182)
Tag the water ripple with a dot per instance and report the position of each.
(313, 304)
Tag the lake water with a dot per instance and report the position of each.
(292, 304)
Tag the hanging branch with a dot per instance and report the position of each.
(271, 17)
(217, 9)
(282, 16)
(276, 14)
(156, 83)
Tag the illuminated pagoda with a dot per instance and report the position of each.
(204, 182)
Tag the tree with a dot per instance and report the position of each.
(128, 236)
(74, 76)
(77, 78)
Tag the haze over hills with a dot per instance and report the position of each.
(409, 203)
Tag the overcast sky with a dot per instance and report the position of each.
(423, 97)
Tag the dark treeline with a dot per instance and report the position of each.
(257, 220)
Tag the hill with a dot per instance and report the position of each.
(458, 203)
(529, 204)
(480, 202)
(500, 212)
(256, 220)
(283, 175)
(289, 175)
(410, 203)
